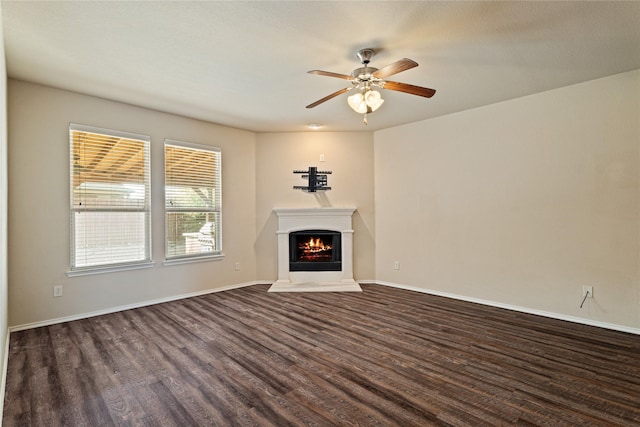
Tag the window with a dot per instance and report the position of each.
(193, 202)
(110, 206)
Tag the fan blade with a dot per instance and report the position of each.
(395, 68)
(328, 97)
(330, 74)
(406, 88)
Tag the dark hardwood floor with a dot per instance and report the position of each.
(378, 358)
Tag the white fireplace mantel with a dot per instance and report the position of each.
(297, 219)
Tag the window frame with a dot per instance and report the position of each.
(218, 254)
(146, 261)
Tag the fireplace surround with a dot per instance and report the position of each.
(327, 235)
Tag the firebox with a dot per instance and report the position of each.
(315, 250)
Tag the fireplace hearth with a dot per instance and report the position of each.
(315, 250)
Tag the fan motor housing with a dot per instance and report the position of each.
(363, 73)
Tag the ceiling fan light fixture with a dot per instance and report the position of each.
(356, 102)
(366, 102)
(373, 99)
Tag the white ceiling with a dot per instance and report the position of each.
(244, 63)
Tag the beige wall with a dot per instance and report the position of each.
(520, 203)
(349, 155)
(39, 206)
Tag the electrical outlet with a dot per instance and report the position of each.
(237, 266)
(396, 265)
(322, 157)
(587, 291)
(57, 291)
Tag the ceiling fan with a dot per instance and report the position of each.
(365, 79)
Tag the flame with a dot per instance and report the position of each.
(314, 249)
(316, 244)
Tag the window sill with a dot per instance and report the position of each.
(111, 269)
(189, 260)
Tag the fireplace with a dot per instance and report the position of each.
(315, 250)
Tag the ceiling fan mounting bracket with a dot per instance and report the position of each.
(365, 55)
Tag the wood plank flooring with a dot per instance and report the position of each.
(383, 357)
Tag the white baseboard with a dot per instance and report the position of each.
(589, 322)
(612, 326)
(127, 307)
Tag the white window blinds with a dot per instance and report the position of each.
(193, 200)
(110, 197)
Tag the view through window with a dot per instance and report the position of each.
(110, 198)
(193, 202)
